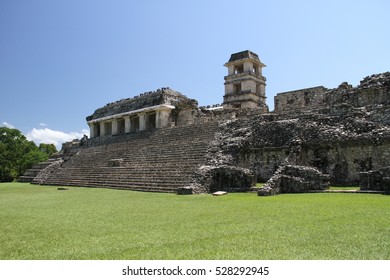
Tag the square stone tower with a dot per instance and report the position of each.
(244, 84)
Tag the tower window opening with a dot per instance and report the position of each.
(239, 69)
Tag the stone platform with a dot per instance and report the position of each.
(161, 160)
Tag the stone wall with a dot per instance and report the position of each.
(201, 115)
(340, 145)
(299, 99)
(376, 180)
(372, 90)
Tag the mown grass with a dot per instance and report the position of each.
(40, 222)
(344, 188)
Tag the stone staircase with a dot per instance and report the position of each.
(161, 160)
(29, 175)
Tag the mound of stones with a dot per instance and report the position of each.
(295, 179)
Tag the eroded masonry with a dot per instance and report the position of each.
(163, 141)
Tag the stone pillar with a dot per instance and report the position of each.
(258, 70)
(158, 119)
(102, 129)
(127, 124)
(142, 121)
(162, 118)
(91, 130)
(231, 70)
(114, 127)
(248, 66)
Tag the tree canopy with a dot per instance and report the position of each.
(17, 154)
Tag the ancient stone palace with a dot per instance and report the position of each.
(163, 141)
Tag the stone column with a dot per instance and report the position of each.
(158, 119)
(102, 129)
(127, 124)
(248, 66)
(162, 118)
(91, 130)
(258, 70)
(114, 127)
(142, 121)
(231, 70)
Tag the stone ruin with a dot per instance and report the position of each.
(163, 141)
(210, 179)
(295, 179)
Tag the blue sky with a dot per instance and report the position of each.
(61, 60)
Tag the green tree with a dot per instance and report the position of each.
(48, 149)
(18, 154)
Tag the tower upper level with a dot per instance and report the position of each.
(244, 62)
(244, 84)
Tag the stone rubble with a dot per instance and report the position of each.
(295, 179)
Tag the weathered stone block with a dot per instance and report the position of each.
(219, 193)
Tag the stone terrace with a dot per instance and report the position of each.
(161, 160)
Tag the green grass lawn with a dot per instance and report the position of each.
(40, 222)
(344, 188)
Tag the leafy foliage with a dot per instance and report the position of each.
(17, 154)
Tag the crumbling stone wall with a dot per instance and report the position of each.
(372, 90)
(299, 99)
(295, 179)
(376, 180)
(340, 144)
(186, 116)
(344, 161)
(209, 179)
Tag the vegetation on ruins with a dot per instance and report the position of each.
(41, 222)
(17, 154)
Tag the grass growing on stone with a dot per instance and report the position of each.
(40, 222)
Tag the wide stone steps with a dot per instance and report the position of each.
(29, 175)
(162, 160)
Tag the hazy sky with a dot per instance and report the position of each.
(61, 60)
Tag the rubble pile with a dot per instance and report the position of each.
(295, 179)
